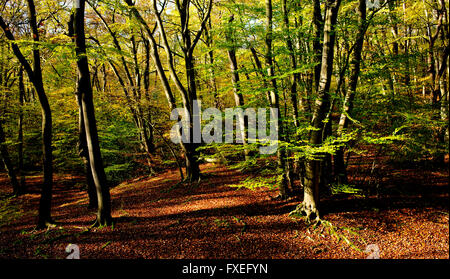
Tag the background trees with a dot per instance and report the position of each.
(346, 78)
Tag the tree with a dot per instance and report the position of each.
(310, 205)
(20, 132)
(133, 80)
(87, 113)
(235, 80)
(35, 76)
(339, 164)
(274, 99)
(188, 44)
(7, 162)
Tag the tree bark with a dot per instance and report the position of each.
(7, 162)
(339, 165)
(20, 132)
(84, 89)
(35, 76)
(317, 44)
(284, 191)
(310, 205)
(84, 154)
(238, 97)
(293, 60)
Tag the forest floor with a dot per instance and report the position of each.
(156, 218)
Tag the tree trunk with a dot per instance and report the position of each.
(20, 132)
(84, 154)
(339, 165)
(310, 205)
(7, 162)
(85, 91)
(317, 45)
(192, 165)
(46, 196)
(238, 97)
(212, 75)
(35, 76)
(293, 60)
(284, 191)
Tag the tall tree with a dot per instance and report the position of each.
(318, 26)
(212, 78)
(275, 99)
(35, 76)
(310, 205)
(339, 165)
(235, 80)
(188, 43)
(295, 79)
(20, 132)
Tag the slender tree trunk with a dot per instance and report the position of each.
(259, 70)
(85, 91)
(393, 19)
(293, 60)
(148, 114)
(35, 76)
(406, 46)
(284, 191)
(7, 162)
(339, 165)
(192, 165)
(317, 44)
(238, 97)
(20, 132)
(212, 75)
(46, 196)
(84, 154)
(147, 145)
(105, 78)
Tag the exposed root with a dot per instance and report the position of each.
(309, 212)
(46, 224)
(102, 223)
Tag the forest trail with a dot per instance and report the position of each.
(158, 218)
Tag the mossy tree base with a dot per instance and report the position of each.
(307, 210)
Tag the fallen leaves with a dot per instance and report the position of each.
(157, 220)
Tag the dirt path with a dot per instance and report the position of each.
(156, 218)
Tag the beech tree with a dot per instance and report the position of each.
(348, 80)
(35, 76)
(7, 162)
(87, 117)
(310, 204)
(188, 44)
(339, 164)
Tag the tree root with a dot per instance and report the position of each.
(47, 224)
(311, 213)
(102, 223)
